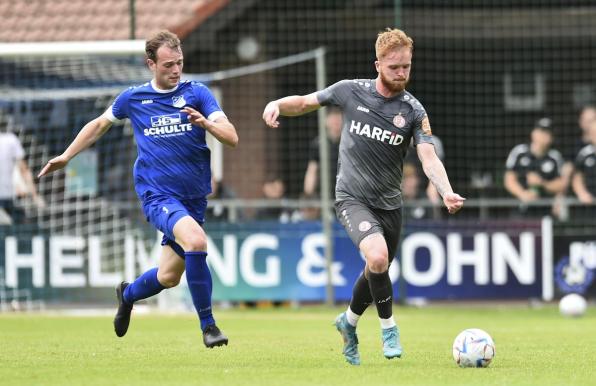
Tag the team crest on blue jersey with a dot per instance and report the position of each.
(178, 101)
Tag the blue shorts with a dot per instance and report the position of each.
(164, 212)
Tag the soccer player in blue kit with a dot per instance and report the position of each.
(380, 117)
(172, 175)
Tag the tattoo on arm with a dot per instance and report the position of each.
(435, 171)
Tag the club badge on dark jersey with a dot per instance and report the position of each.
(399, 121)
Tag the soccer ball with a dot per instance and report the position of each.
(572, 305)
(473, 348)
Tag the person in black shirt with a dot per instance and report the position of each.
(534, 170)
(584, 179)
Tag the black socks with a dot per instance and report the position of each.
(361, 296)
(382, 293)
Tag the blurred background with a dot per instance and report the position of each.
(509, 88)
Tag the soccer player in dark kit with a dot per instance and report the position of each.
(379, 119)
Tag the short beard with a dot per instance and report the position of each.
(392, 86)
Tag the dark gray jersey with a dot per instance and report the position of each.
(375, 137)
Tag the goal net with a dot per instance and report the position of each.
(91, 217)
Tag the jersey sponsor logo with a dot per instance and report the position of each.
(146, 101)
(162, 120)
(360, 108)
(376, 133)
(399, 121)
(178, 101)
(167, 126)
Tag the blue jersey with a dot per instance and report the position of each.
(173, 157)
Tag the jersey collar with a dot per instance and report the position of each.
(159, 90)
(373, 87)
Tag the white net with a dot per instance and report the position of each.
(48, 100)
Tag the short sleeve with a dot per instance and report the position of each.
(582, 157)
(119, 108)
(558, 158)
(439, 149)
(19, 152)
(206, 102)
(513, 157)
(336, 94)
(422, 132)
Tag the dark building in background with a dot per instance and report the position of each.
(484, 72)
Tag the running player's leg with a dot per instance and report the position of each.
(166, 275)
(361, 299)
(376, 252)
(350, 213)
(150, 283)
(171, 267)
(391, 221)
(193, 240)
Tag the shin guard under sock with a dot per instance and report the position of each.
(382, 293)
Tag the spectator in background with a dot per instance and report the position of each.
(573, 144)
(274, 189)
(333, 124)
(12, 155)
(534, 170)
(587, 116)
(574, 140)
(219, 191)
(584, 179)
(410, 188)
(307, 213)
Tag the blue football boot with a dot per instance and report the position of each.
(348, 333)
(391, 346)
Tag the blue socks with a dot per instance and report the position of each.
(200, 285)
(143, 287)
(199, 281)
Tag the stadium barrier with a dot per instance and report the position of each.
(264, 260)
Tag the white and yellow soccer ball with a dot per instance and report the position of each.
(473, 348)
(572, 305)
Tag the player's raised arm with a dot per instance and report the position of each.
(435, 171)
(90, 133)
(222, 129)
(289, 106)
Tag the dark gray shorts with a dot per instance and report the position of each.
(360, 221)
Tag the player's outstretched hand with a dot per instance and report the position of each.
(453, 202)
(271, 114)
(195, 117)
(53, 165)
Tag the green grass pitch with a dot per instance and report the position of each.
(296, 347)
